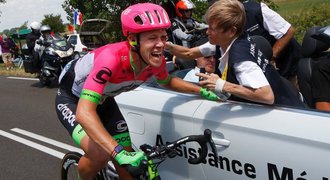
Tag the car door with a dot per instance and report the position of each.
(265, 142)
(155, 116)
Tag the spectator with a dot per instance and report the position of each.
(244, 71)
(1, 39)
(320, 84)
(207, 63)
(6, 47)
(261, 20)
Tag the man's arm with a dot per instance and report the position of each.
(281, 43)
(262, 94)
(179, 85)
(278, 27)
(183, 52)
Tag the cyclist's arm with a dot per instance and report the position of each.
(175, 83)
(179, 85)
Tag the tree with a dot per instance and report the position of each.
(111, 10)
(55, 23)
(102, 9)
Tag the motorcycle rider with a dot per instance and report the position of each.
(85, 102)
(39, 47)
(183, 24)
(185, 30)
(30, 42)
(33, 36)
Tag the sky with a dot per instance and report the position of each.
(15, 12)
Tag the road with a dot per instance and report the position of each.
(31, 137)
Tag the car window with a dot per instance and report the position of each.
(92, 41)
(73, 39)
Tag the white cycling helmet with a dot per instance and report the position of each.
(35, 25)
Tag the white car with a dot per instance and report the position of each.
(79, 47)
(253, 141)
(93, 33)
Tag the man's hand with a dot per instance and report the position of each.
(209, 80)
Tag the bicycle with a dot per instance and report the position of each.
(155, 155)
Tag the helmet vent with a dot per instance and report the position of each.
(165, 17)
(150, 17)
(158, 17)
(138, 20)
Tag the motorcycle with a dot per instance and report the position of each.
(55, 53)
(200, 37)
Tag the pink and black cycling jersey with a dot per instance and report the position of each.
(107, 71)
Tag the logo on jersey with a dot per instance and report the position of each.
(121, 126)
(102, 76)
(67, 114)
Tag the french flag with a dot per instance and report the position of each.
(77, 17)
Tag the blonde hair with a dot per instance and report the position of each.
(227, 14)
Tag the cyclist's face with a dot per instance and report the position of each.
(152, 46)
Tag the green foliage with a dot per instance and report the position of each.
(101, 9)
(317, 15)
(111, 9)
(55, 22)
(200, 10)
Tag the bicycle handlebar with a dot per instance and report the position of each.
(168, 150)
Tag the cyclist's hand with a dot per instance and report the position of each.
(130, 158)
(209, 95)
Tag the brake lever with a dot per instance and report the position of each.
(138, 170)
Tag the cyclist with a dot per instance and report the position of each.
(85, 102)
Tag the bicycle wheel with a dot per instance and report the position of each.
(69, 166)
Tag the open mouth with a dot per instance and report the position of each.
(156, 54)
